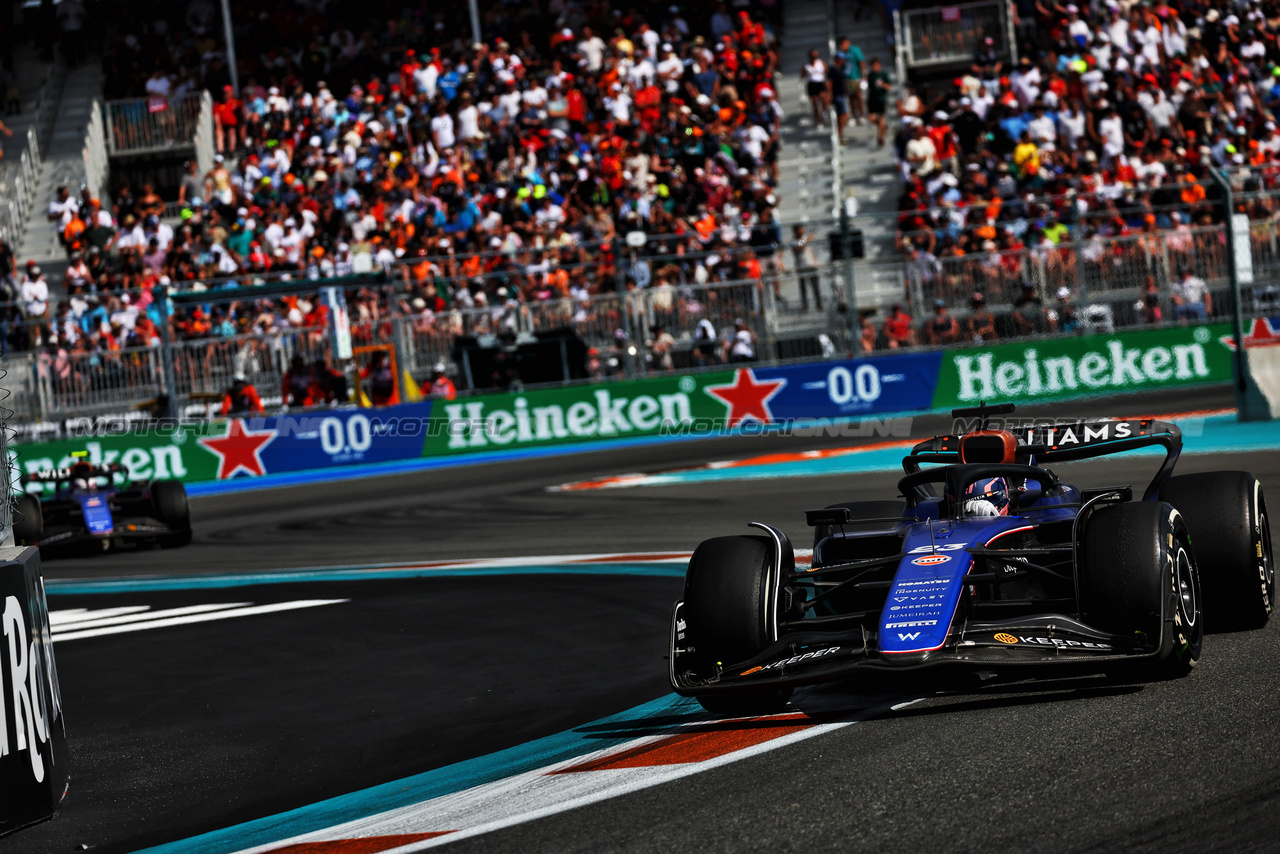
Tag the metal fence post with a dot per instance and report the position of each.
(173, 410)
(1009, 13)
(1077, 231)
(398, 344)
(1237, 310)
(850, 295)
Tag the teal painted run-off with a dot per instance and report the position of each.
(74, 587)
(651, 718)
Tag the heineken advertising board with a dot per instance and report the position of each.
(740, 398)
(1057, 368)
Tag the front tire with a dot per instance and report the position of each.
(169, 503)
(1226, 516)
(1140, 578)
(729, 612)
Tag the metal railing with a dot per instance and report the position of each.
(18, 186)
(951, 34)
(145, 125)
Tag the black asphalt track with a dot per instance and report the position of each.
(177, 731)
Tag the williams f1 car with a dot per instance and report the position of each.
(88, 507)
(986, 560)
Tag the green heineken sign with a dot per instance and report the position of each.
(1073, 367)
(580, 413)
(173, 453)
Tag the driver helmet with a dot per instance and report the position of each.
(987, 497)
(82, 474)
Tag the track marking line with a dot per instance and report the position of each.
(656, 564)
(611, 772)
(684, 748)
(235, 609)
(141, 615)
(68, 616)
(367, 845)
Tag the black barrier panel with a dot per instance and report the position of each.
(33, 736)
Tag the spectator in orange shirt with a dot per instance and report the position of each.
(380, 379)
(898, 328)
(242, 398)
(441, 386)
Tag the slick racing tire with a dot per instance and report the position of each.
(28, 520)
(169, 502)
(1139, 578)
(1226, 516)
(860, 510)
(728, 610)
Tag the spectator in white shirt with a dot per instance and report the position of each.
(468, 119)
(442, 129)
(34, 293)
(592, 47)
(62, 208)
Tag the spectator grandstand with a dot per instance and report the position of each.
(613, 173)
(1079, 174)
(484, 183)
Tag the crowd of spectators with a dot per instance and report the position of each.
(1097, 141)
(377, 137)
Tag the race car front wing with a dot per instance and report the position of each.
(812, 657)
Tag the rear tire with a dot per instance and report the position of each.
(729, 613)
(1226, 517)
(1139, 576)
(28, 520)
(860, 510)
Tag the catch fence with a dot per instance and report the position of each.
(947, 35)
(1111, 282)
(148, 125)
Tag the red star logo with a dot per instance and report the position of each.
(239, 449)
(1260, 335)
(747, 398)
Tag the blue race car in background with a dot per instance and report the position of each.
(96, 504)
(1004, 567)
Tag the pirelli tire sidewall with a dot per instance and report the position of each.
(728, 610)
(1140, 580)
(1184, 609)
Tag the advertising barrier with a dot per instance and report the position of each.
(1057, 368)
(695, 404)
(33, 737)
(692, 404)
(247, 447)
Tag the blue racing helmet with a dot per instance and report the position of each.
(987, 497)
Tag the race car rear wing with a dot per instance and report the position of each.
(1067, 442)
(65, 474)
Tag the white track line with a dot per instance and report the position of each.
(540, 793)
(198, 618)
(93, 622)
(76, 615)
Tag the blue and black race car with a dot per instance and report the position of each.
(96, 505)
(987, 561)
